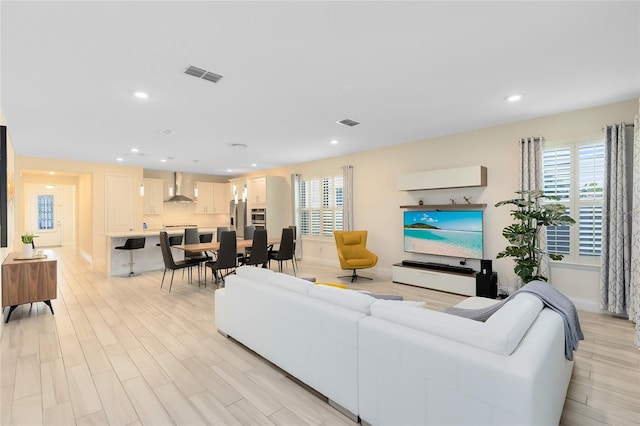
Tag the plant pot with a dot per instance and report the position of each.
(27, 250)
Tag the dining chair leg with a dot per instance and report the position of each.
(171, 285)
(163, 274)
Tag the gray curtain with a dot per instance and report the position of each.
(531, 180)
(615, 270)
(634, 286)
(295, 212)
(347, 198)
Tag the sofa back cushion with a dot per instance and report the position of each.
(253, 273)
(287, 282)
(500, 334)
(353, 300)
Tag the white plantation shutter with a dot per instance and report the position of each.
(559, 238)
(322, 213)
(556, 172)
(575, 173)
(590, 228)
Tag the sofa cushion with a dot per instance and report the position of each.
(253, 273)
(403, 303)
(514, 318)
(501, 335)
(287, 282)
(347, 298)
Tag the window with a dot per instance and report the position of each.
(575, 173)
(45, 212)
(321, 206)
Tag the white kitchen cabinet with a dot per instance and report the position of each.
(271, 194)
(153, 196)
(257, 190)
(212, 198)
(221, 198)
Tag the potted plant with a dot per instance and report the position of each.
(27, 244)
(531, 213)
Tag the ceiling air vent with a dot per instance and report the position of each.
(203, 74)
(348, 122)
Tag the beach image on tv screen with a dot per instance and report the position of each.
(444, 233)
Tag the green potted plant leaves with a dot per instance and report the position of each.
(532, 213)
(27, 238)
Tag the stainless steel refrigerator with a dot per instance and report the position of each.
(238, 216)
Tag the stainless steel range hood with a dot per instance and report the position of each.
(177, 184)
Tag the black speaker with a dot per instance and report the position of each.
(486, 267)
(487, 285)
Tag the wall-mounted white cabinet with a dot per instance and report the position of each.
(153, 196)
(212, 198)
(461, 177)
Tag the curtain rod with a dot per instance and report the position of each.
(626, 125)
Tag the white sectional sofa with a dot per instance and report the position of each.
(392, 363)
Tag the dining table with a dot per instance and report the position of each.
(215, 246)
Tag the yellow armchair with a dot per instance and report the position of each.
(353, 253)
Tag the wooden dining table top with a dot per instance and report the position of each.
(214, 246)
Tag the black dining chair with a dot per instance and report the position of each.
(248, 232)
(285, 251)
(259, 254)
(206, 238)
(220, 230)
(169, 262)
(191, 236)
(227, 258)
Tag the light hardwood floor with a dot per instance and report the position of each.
(122, 351)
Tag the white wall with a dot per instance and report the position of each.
(377, 201)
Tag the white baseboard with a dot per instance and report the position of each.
(586, 305)
(86, 256)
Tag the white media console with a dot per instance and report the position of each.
(436, 280)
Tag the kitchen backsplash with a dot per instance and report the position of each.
(179, 214)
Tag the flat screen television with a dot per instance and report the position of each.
(456, 233)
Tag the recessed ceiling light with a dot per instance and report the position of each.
(141, 95)
(134, 150)
(253, 165)
(50, 186)
(163, 160)
(334, 142)
(515, 97)
(119, 159)
(52, 173)
(229, 170)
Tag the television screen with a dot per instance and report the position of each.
(444, 233)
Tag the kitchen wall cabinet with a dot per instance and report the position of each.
(153, 196)
(212, 198)
(257, 190)
(272, 194)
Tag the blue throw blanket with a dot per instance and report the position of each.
(551, 298)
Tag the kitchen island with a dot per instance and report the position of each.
(147, 259)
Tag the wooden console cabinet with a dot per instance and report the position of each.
(28, 281)
(436, 280)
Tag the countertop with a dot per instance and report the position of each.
(154, 232)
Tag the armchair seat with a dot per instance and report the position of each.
(353, 253)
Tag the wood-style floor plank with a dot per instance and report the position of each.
(122, 351)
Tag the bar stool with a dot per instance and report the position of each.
(132, 244)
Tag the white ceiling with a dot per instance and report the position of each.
(405, 70)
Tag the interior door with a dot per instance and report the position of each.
(44, 217)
